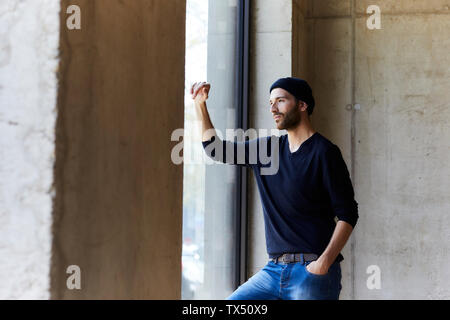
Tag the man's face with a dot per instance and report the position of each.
(282, 104)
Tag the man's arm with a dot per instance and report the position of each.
(237, 153)
(338, 240)
(336, 180)
(199, 93)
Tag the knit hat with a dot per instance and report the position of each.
(299, 88)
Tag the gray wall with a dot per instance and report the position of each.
(402, 151)
(270, 59)
(397, 154)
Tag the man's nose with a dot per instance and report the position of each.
(273, 108)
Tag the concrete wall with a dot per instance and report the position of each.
(270, 59)
(402, 77)
(396, 145)
(327, 49)
(118, 206)
(29, 36)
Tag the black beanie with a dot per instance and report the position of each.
(299, 88)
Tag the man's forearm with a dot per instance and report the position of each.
(203, 116)
(338, 240)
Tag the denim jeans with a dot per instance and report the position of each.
(290, 281)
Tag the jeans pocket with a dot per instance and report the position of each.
(313, 274)
(318, 285)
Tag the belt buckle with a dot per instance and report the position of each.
(289, 257)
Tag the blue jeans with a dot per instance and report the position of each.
(290, 281)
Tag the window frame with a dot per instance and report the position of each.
(242, 95)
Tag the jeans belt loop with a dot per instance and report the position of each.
(302, 258)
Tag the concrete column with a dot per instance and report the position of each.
(29, 35)
(118, 206)
(270, 59)
(323, 56)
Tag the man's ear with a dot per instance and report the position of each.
(303, 104)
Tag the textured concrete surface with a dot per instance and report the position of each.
(118, 207)
(29, 36)
(270, 59)
(403, 76)
(328, 71)
(400, 76)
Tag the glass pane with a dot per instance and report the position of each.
(209, 240)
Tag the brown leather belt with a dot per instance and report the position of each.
(295, 257)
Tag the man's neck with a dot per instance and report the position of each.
(298, 135)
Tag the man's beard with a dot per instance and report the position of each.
(291, 119)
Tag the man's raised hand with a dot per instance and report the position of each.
(200, 91)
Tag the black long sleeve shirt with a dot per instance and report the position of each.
(302, 193)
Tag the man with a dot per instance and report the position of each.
(311, 187)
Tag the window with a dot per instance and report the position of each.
(212, 196)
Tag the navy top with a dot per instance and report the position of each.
(301, 196)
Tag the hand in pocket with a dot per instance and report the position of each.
(317, 268)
